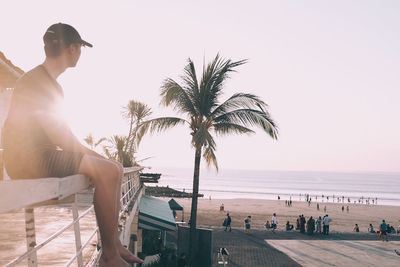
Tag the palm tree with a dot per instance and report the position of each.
(205, 115)
(135, 112)
(117, 152)
(91, 141)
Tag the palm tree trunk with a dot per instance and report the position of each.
(193, 213)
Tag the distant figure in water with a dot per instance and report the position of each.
(221, 208)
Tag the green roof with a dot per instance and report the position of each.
(155, 214)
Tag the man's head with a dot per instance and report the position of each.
(63, 40)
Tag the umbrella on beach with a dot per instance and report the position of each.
(175, 206)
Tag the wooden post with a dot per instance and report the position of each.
(77, 231)
(30, 236)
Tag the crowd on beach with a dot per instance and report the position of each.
(332, 198)
(318, 225)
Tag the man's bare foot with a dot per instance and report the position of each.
(127, 255)
(116, 261)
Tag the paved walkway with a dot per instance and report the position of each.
(260, 247)
(249, 250)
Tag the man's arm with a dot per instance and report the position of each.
(61, 135)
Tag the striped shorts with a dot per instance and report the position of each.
(47, 163)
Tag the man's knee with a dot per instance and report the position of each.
(120, 168)
(100, 169)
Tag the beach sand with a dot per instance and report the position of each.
(48, 219)
(261, 211)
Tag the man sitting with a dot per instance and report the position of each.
(289, 226)
(38, 143)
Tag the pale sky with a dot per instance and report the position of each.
(329, 70)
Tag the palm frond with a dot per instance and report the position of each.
(157, 125)
(240, 100)
(191, 85)
(250, 117)
(136, 110)
(89, 140)
(108, 153)
(210, 157)
(173, 94)
(202, 137)
(216, 73)
(224, 128)
(101, 140)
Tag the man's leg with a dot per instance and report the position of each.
(123, 251)
(107, 182)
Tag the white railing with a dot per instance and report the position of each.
(28, 194)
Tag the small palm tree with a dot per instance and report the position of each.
(117, 152)
(135, 112)
(205, 115)
(91, 141)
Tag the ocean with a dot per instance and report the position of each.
(380, 187)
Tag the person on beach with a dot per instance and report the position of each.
(289, 226)
(318, 224)
(371, 229)
(302, 224)
(274, 222)
(38, 143)
(222, 208)
(267, 225)
(356, 228)
(247, 224)
(383, 231)
(298, 223)
(326, 222)
(310, 226)
(228, 222)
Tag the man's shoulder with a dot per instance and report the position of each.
(31, 78)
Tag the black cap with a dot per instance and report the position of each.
(61, 33)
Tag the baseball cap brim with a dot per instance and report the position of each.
(84, 43)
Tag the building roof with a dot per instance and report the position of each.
(155, 214)
(9, 73)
